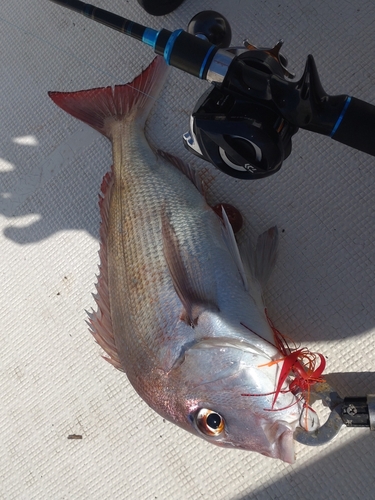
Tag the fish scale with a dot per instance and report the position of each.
(135, 255)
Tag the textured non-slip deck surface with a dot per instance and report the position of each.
(53, 381)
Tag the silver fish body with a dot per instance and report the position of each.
(178, 309)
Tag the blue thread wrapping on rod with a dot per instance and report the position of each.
(169, 45)
(203, 67)
(340, 118)
(129, 28)
(150, 36)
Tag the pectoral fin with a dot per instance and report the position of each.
(187, 275)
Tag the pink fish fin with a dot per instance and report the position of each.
(187, 276)
(258, 264)
(231, 243)
(100, 107)
(185, 168)
(100, 322)
(265, 255)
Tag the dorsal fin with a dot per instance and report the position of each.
(100, 322)
(185, 168)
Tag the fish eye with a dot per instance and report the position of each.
(209, 422)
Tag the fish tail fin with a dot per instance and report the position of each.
(100, 107)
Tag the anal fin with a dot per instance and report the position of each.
(100, 322)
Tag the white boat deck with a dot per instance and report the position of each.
(54, 384)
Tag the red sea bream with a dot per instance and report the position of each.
(180, 311)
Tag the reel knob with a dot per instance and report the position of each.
(212, 26)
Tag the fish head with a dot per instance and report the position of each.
(227, 395)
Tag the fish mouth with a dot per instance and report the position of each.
(281, 446)
(276, 442)
(281, 441)
(286, 446)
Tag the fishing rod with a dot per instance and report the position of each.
(244, 123)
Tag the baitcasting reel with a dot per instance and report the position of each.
(245, 122)
(246, 137)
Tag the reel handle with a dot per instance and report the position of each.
(213, 26)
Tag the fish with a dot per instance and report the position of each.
(180, 305)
